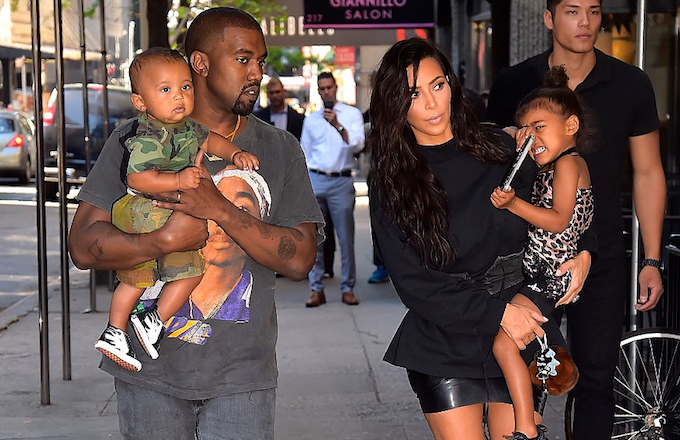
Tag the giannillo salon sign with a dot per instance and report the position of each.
(369, 13)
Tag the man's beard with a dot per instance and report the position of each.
(242, 107)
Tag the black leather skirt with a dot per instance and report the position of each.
(438, 394)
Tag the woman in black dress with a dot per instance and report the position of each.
(454, 259)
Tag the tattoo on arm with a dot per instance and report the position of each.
(247, 220)
(286, 248)
(95, 249)
(265, 230)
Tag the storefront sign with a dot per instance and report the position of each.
(345, 56)
(369, 14)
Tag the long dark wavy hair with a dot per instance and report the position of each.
(406, 186)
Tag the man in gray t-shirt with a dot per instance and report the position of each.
(217, 366)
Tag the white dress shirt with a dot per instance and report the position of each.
(324, 147)
(279, 119)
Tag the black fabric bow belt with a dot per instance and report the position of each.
(344, 173)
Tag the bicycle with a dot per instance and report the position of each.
(647, 377)
(646, 387)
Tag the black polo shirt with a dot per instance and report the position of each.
(620, 100)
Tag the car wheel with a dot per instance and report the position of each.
(25, 173)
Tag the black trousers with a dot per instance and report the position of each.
(594, 329)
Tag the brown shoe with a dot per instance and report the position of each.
(316, 299)
(349, 298)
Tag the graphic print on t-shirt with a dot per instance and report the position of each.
(224, 291)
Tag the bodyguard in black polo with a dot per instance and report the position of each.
(621, 102)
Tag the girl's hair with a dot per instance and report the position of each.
(405, 184)
(556, 97)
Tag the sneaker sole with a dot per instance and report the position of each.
(129, 364)
(378, 281)
(147, 345)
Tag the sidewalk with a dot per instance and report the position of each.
(333, 383)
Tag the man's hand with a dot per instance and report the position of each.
(95, 243)
(331, 117)
(199, 202)
(522, 324)
(651, 288)
(182, 233)
(579, 266)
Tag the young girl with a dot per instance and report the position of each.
(161, 157)
(561, 209)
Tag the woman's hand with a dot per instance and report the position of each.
(579, 266)
(522, 324)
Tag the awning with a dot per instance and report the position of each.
(17, 50)
(14, 52)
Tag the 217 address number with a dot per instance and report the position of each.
(314, 18)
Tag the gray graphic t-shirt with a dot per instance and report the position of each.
(230, 325)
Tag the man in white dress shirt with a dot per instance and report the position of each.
(330, 138)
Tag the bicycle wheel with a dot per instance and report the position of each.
(647, 386)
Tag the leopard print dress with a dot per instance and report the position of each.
(546, 251)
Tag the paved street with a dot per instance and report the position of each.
(333, 383)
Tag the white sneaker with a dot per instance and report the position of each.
(150, 330)
(115, 344)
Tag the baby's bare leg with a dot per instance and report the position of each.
(123, 301)
(175, 294)
(516, 375)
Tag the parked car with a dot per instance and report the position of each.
(17, 146)
(120, 110)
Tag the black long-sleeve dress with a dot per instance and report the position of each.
(454, 314)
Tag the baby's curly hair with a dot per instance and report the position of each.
(150, 56)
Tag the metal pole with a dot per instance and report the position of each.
(86, 134)
(23, 83)
(105, 91)
(131, 49)
(40, 208)
(63, 218)
(635, 226)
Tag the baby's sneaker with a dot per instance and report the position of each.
(542, 434)
(115, 344)
(150, 329)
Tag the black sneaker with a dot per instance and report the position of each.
(150, 330)
(542, 434)
(115, 344)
